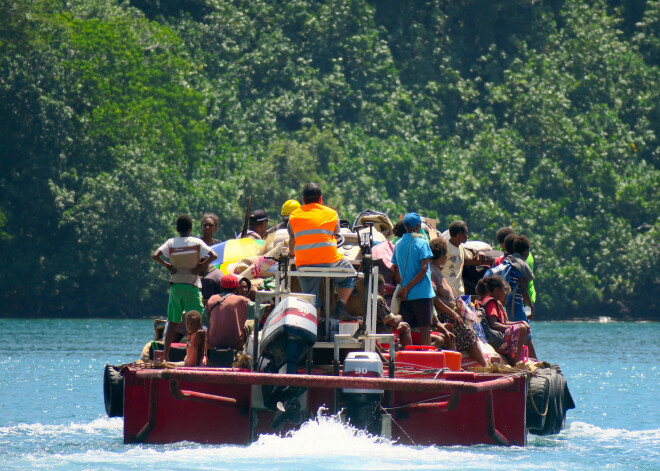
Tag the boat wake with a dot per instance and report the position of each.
(101, 425)
(321, 443)
(592, 432)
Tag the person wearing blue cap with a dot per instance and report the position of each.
(411, 258)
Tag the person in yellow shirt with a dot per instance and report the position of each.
(312, 229)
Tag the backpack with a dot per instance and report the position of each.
(503, 270)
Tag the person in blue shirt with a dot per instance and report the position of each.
(411, 257)
(520, 276)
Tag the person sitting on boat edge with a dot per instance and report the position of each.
(458, 256)
(196, 344)
(288, 207)
(185, 283)
(493, 291)
(258, 226)
(226, 315)
(386, 321)
(312, 229)
(445, 306)
(410, 261)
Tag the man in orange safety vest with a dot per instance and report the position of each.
(312, 229)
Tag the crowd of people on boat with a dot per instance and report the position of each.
(433, 290)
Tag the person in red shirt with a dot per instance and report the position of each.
(516, 334)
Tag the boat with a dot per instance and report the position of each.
(300, 370)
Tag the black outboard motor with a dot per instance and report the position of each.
(288, 333)
(363, 405)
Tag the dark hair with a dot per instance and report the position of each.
(502, 232)
(212, 216)
(521, 244)
(481, 289)
(399, 228)
(247, 282)
(488, 284)
(311, 193)
(183, 224)
(456, 227)
(508, 243)
(438, 247)
(410, 228)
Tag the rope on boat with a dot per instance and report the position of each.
(397, 424)
(433, 399)
(547, 406)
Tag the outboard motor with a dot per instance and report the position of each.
(288, 333)
(363, 405)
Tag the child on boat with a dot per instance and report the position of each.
(196, 346)
(494, 291)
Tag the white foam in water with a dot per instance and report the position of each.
(324, 443)
(585, 430)
(103, 424)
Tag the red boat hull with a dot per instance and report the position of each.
(216, 405)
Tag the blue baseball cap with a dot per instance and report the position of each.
(412, 219)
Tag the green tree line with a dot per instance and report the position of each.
(116, 116)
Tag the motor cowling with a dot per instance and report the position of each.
(288, 334)
(363, 405)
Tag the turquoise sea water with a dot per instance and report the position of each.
(52, 414)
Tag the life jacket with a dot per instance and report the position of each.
(313, 227)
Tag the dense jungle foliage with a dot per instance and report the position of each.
(116, 116)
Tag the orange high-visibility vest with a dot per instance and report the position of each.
(313, 228)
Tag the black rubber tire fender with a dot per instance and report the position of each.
(554, 421)
(113, 391)
(538, 396)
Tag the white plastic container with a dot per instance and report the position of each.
(348, 328)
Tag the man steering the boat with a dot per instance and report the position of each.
(312, 229)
